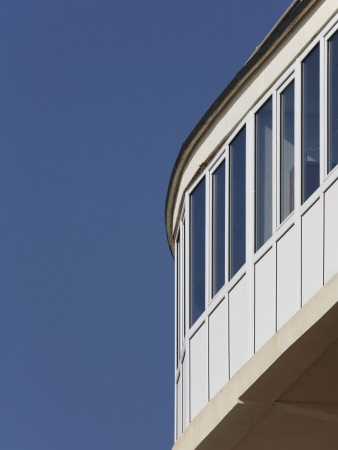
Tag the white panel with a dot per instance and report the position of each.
(218, 348)
(239, 326)
(331, 232)
(185, 398)
(287, 304)
(265, 298)
(179, 408)
(198, 371)
(312, 251)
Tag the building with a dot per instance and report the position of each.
(252, 222)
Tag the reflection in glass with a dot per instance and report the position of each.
(287, 151)
(310, 124)
(333, 102)
(263, 174)
(237, 203)
(179, 299)
(197, 252)
(218, 228)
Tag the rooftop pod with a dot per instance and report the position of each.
(252, 222)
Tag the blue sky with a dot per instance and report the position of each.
(96, 99)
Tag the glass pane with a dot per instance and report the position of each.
(197, 252)
(310, 124)
(237, 203)
(333, 102)
(218, 228)
(263, 174)
(183, 280)
(179, 299)
(287, 152)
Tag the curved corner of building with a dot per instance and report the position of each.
(251, 218)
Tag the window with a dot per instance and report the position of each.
(310, 124)
(333, 102)
(180, 288)
(217, 202)
(183, 280)
(263, 174)
(197, 252)
(237, 203)
(287, 149)
(218, 228)
(178, 295)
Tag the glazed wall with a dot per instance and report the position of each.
(222, 320)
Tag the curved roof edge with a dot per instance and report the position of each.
(291, 15)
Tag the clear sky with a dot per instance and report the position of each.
(96, 99)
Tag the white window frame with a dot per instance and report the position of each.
(270, 94)
(220, 159)
(299, 100)
(200, 320)
(244, 123)
(180, 282)
(287, 80)
(329, 34)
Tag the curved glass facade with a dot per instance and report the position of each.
(244, 256)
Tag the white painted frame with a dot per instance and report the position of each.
(220, 160)
(290, 78)
(327, 37)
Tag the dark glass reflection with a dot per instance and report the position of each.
(287, 159)
(218, 228)
(263, 174)
(183, 278)
(197, 252)
(310, 124)
(179, 299)
(333, 102)
(237, 203)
